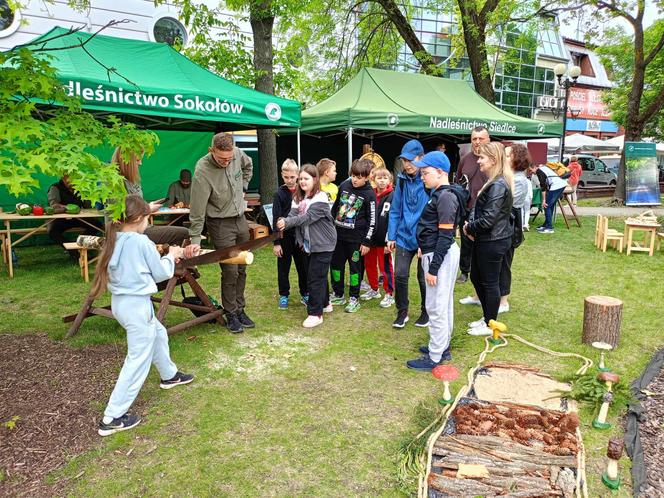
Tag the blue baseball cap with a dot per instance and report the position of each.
(435, 159)
(411, 150)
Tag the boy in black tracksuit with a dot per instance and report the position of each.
(285, 248)
(354, 213)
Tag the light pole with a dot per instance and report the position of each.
(565, 82)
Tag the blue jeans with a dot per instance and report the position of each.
(552, 197)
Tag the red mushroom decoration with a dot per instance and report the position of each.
(446, 373)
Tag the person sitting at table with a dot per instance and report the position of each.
(129, 170)
(59, 195)
(180, 190)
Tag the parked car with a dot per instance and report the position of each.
(594, 171)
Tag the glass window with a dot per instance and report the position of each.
(510, 98)
(526, 86)
(525, 99)
(169, 30)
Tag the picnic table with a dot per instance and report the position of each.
(647, 244)
(25, 233)
(176, 213)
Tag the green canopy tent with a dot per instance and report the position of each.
(157, 87)
(378, 102)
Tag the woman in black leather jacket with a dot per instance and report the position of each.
(491, 227)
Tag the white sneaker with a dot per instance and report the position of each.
(370, 294)
(312, 321)
(477, 331)
(469, 300)
(328, 309)
(504, 308)
(364, 286)
(477, 323)
(387, 301)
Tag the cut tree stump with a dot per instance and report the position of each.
(601, 320)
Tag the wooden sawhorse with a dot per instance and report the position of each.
(182, 276)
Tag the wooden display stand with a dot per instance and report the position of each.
(601, 320)
(257, 231)
(182, 276)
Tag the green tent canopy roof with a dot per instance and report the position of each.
(156, 86)
(382, 100)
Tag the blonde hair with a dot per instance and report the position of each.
(136, 208)
(382, 171)
(324, 165)
(290, 165)
(496, 152)
(128, 169)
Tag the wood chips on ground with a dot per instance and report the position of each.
(53, 389)
(651, 430)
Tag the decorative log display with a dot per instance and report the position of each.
(601, 320)
(505, 449)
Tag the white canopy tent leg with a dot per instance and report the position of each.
(350, 148)
(299, 160)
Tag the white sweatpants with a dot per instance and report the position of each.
(440, 301)
(147, 343)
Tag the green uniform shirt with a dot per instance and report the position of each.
(218, 192)
(177, 193)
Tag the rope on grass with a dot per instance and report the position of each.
(423, 485)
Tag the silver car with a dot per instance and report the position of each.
(594, 171)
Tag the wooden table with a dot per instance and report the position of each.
(648, 241)
(177, 214)
(7, 232)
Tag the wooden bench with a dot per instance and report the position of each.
(83, 260)
(22, 231)
(660, 236)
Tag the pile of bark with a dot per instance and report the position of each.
(651, 429)
(496, 449)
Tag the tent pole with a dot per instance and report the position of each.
(350, 149)
(299, 163)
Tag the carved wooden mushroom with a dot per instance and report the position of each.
(603, 348)
(614, 451)
(610, 379)
(446, 373)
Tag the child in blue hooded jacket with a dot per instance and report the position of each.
(130, 267)
(408, 201)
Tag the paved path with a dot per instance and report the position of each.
(618, 211)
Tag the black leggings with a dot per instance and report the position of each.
(485, 272)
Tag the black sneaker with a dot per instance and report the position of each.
(463, 278)
(233, 323)
(179, 379)
(246, 322)
(126, 422)
(423, 320)
(447, 354)
(401, 320)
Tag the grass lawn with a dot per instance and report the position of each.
(602, 202)
(285, 411)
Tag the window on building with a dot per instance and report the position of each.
(169, 30)
(10, 19)
(583, 61)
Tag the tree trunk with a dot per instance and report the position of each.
(601, 320)
(474, 35)
(406, 31)
(261, 18)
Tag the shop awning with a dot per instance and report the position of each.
(157, 87)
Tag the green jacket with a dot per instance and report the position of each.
(218, 192)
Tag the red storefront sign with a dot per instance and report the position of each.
(589, 102)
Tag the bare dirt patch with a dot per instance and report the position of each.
(50, 390)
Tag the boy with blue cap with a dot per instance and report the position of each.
(439, 255)
(408, 201)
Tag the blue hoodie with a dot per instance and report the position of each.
(406, 209)
(136, 266)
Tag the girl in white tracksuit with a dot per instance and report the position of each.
(130, 267)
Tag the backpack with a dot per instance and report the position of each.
(462, 195)
(560, 169)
